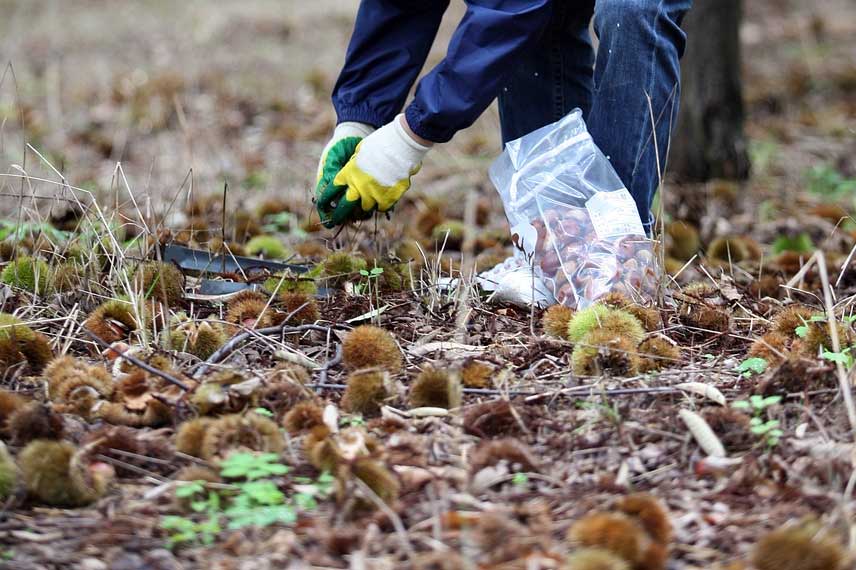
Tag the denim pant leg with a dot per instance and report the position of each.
(641, 43)
(554, 77)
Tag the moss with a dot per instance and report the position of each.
(268, 247)
(27, 273)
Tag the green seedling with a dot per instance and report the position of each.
(752, 366)
(766, 429)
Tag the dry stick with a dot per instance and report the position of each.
(233, 343)
(137, 362)
(844, 383)
(393, 517)
(322, 378)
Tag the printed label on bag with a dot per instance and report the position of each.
(614, 214)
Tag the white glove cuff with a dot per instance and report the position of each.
(352, 129)
(412, 149)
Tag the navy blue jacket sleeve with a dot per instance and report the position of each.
(482, 50)
(388, 48)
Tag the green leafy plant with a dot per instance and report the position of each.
(252, 466)
(352, 421)
(263, 412)
(843, 357)
(826, 180)
(252, 498)
(802, 330)
(752, 366)
(800, 243)
(766, 429)
(520, 479)
(370, 275)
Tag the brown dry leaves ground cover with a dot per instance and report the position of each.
(545, 432)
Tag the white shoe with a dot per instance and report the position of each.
(513, 281)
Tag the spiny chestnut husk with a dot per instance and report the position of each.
(801, 547)
(657, 352)
(366, 391)
(34, 421)
(303, 307)
(27, 273)
(19, 344)
(604, 351)
(161, 281)
(614, 532)
(369, 346)
(594, 559)
(436, 388)
(477, 374)
(786, 321)
(188, 439)
(241, 432)
(303, 416)
(56, 473)
(772, 347)
(555, 320)
(112, 321)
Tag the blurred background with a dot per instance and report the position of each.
(238, 91)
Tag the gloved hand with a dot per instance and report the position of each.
(335, 155)
(375, 177)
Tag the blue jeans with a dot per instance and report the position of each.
(641, 43)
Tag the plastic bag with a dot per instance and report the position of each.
(571, 217)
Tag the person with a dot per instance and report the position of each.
(536, 56)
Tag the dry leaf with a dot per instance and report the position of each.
(702, 433)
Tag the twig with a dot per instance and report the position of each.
(843, 382)
(236, 340)
(397, 524)
(137, 362)
(337, 358)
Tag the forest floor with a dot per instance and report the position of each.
(149, 108)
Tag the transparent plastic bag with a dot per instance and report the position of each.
(571, 217)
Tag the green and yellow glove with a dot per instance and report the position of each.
(335, 155)
(374, 178)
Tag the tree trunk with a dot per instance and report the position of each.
(709, 140)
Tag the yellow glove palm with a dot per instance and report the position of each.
(376, 176)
